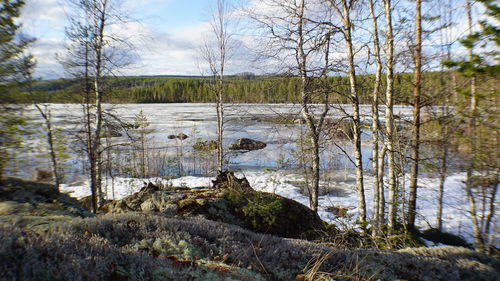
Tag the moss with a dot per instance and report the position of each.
(270, 213)
(261, 210)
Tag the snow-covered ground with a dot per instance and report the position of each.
(455, 216)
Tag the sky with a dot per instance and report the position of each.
(166, 35)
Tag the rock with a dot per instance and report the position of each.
(186, 203)
(169, 209)
(180, 136)
(148, 206)
(247, 144)
(201, 202)
(116, 207)
(231, 200)
(13, 207)
(160, 198)
(27, 198)
(148, 200)
(445, 238)
(266, 212)
(338, 210)
(86, 202)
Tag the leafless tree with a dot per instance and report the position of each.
(216, 53)
(27, 73)
(301, 45)
(92, 54)
(389, 114)
(378, 191)
(343, 9)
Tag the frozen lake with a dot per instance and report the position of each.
(256, 121)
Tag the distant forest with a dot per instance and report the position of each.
(245, 88)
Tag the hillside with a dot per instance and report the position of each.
(47, 236)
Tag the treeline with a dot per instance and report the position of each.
(239, 89)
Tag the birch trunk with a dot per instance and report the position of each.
(220, 126)
(99, 23)
(389, 116)
(380, 173)
(216, 57)
(221, 41)
(344, 13)
(376, 121)
(314, 125)
(305, 95)
(358, 160)
(50, 141)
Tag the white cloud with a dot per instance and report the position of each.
(174, 51)
(44, 50)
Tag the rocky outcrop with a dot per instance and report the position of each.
(247, 144)
(35, 206)
(154, 247)
(231, 200)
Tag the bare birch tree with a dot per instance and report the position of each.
(343, 9)
(302, 44)
(389, 115)
(446, 114)
(216, 54)
(97, 53)
(378, 191)
(27, 67)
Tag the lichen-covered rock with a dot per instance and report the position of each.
(13, 207)
(154, 247)
(231, 200)
(148, 206)
(20, 197)
(169, 209)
